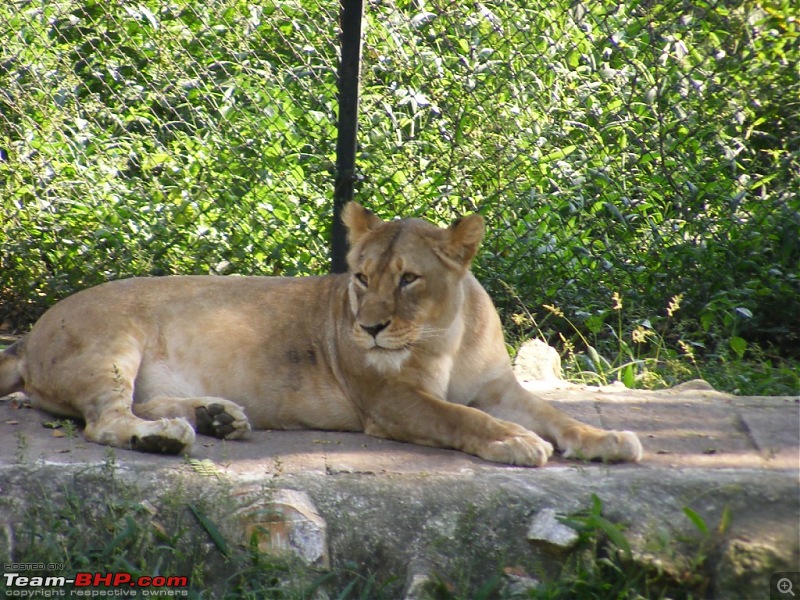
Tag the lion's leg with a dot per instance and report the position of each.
(443, 424)
(96, 385)
(510, 401)
(115, 425)
(216, 417)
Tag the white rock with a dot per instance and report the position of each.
(538, 362)
(545, 527)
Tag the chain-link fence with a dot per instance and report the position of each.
(162, 137)
(646, 148)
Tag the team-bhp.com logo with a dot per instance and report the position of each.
(94, 584)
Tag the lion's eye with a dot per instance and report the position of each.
(362, 279)
(408, 279)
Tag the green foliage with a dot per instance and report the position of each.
(610, 569)
(645, 148)
(603, 566)
(655, 352)
(158, 139)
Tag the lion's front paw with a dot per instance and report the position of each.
(524, 449)
(165, 436)
(628, 448)
(220, 420)
(609, 446)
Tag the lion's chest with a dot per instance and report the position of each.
(440, 373)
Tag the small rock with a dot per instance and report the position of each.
(694, 385)
(520, 586)
(746, 566)
(284, 521)
(420, 583)
(538, 362)
(545, 527)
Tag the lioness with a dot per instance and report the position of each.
(407, 345)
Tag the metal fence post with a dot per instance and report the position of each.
(349, 75)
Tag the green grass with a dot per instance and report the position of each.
(655, 352)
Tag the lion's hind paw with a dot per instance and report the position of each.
(158, 444)
(226, 421)
(165, 436)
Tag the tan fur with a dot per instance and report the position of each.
(406, 346)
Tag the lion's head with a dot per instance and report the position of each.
(405, 279)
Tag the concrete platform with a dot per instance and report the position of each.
(708, 451)
(690, 426)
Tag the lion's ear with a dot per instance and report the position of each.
(358, 221)
(464, 237)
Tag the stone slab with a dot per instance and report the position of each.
(708, 451)
(679, 428)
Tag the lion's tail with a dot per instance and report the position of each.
(11, 379)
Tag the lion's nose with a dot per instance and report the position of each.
(374, 330)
